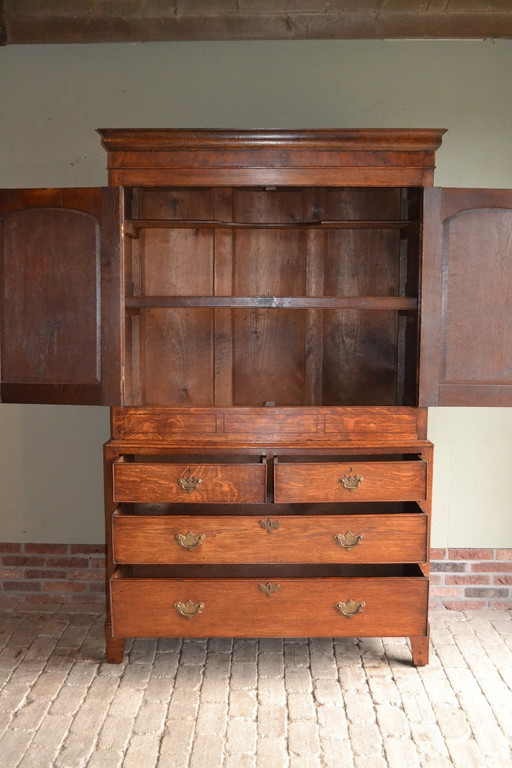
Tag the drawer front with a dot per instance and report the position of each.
(360, 481)
(322, 607)
(397, 538)
(190, 483)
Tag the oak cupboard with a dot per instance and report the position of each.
(268, 313)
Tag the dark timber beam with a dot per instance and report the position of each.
(93, 21)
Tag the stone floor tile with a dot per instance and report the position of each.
(272, 721)
(142, 751)
(271, 752)
(244, 703)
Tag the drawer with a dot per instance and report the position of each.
(298, 483)
(269, 606)
(392, 538)
(189, 483)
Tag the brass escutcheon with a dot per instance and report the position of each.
(188, 609)
(348, 540)
(351, 482)
(269, 589)
(189, 484)
(270, 525)
(350, 608)
(189, 540)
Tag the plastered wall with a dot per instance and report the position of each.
(53, 97)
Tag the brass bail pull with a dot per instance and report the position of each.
(189, 484)
(269, 589)
(189, 540)
(351, 482)
(350, 608)
(348, 540)
(188, 609)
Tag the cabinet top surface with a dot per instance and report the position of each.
(415, 139)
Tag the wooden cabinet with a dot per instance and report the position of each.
(268, 313)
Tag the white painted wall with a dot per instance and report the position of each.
(52, 98)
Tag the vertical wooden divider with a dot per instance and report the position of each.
(316, 245)
(223, 286)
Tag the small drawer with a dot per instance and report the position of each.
(269, 606)
(298, 483)
(392, 538)
(189, 483)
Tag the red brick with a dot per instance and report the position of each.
(446, 592)
(502, 605)
(491, 567)
(447, 567)
(98, 562)
(437, 554)
(44, 573)
(22, 586)
(82, 574)
(470, 554)
(63, 586)
(67, 562)
(504, 554)
(47, 598)
(28, 560)
(464, 605)
(436, 578)
(46, 549)
(481, 579)
(88, 597)
(8, 573)
(506, 580)
(6, 547)
(487, 592)
(87, 549)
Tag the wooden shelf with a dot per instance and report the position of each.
(132, 227)
(393, 303)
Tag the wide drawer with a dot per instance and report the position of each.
(189, 483)
(391, 538)
(269, 606)
(360, 481)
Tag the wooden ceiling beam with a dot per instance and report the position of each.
(100, 21)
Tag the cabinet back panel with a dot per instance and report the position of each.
(269, 263)
(175, 204)
(268, 357)
(362, 263)
(366, 204)
(359, 358)
(176, 262)
(246, 356)
(176, 348)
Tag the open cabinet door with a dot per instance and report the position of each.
(60, 296)
(466, 306)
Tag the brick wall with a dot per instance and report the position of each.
(53, 572)
(471, 578)
(461, 579)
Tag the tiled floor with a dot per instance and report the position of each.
(250, 703)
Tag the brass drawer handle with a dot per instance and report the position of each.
(350, 608)
(270, 525)
(189, 484)
(269, 589)
(188, 609)
(351, 482)
(348, 540)
(189, 540)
